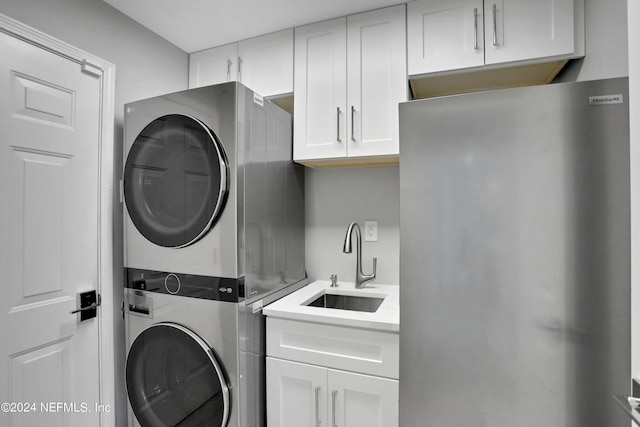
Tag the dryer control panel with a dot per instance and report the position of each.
(186, 285)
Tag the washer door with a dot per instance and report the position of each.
(173, 379)
(175, 180)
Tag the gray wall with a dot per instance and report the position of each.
(146, 65)
(606, 43)
(335, 198)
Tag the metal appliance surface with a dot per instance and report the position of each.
(167, 383)
(515, 257)
(214, 229)
(211, 194)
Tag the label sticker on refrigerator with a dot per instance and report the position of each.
(605, 99)
(258, 99)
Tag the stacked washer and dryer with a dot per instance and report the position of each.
(214, 229)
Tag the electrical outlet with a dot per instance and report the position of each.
(371, 231)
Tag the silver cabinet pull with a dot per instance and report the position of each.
(475, 28)
(229, 69)
(239, 69)
(353, 123)
(338, 125)
(334, 393)
(495, 25)
(317, 406)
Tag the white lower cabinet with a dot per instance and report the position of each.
(323, 375)
(301, 395)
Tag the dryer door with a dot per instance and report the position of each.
(173, 378)
(175, 180)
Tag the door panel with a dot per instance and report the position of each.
(362, 400)
(213, 66)
(49, 178)
(266, 63)
(321, 91)
(296, 394)
(377, 73)
(527, 30)
(40, 211)
(445, 35)
(27, 370)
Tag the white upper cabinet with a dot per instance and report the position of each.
(376, 80)
(518, 30)
(213, 66)
(455, 34)
(445, 35)
(320, 90)
(264, 64)
(350, 75)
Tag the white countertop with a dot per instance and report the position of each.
(385, 318)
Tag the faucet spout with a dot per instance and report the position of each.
(361, 278)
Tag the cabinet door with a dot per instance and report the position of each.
(213, 66)
(357, 400)
(444, 35)
(296, 394)
(265, 64)
(376, 80)
(320, 88)
(523, 29)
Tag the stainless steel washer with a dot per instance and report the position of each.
(187, 361)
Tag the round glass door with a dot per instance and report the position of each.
(173, 379)
(175, 180)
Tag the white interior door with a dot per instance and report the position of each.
(49, 185)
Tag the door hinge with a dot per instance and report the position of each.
(91, 69)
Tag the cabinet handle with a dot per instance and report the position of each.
(338, 125)
(475, 28)
(239, 69)
(334, 393)
(495, 25)
(317, 406)
(353, 123)
(228, 70)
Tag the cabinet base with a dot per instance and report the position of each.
(363, 162)
(477, 80)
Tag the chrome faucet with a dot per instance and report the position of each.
(361, 279)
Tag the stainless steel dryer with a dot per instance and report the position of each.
(211, 190)
(213, 229)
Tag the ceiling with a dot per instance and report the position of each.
(194, 25)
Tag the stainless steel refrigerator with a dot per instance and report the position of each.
(515, 257)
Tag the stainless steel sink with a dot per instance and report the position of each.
(347, 302)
